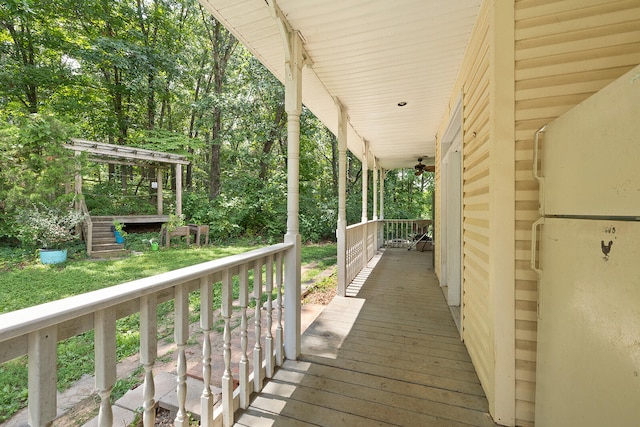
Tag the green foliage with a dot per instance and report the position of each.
(46, 227)
(34, 166)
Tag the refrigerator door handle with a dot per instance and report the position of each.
(534, 246)
(534, 264)
(536, 175)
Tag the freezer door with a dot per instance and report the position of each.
(590, 154)
(588, 360)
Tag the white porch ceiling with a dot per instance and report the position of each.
(371, 55)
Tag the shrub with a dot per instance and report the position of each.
(48, 227)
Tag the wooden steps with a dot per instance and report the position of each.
(103, 240)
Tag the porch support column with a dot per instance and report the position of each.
(375, 203)
(375, 189)
(365, 195)
(159, 189)
(178, 189)
(383, 175)
(365, 179)
(293, 106)
(341, 232)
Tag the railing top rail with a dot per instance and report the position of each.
(30, 319)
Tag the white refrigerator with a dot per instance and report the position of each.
(586, 251)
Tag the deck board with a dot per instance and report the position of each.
(391, 355)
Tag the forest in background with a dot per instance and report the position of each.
(166, 76)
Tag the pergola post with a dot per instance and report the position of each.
(179, 189)
(293, 106)
(341, 231)
(159, 189)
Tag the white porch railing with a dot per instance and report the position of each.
(399, 233)
(362, 242)
(35, 332)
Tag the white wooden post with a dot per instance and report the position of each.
(105, 354)
(148, 354)
(365, 196)
(375, 188)
(42, 376)
(206, 324)
(341, 232)
(268, 340)
(383, 175)
(245, 390)
(257, 349)
(181, 334)
(279, 330)
(227, 376)
(159, 189)
(375, 203)
(178, 189)
(293, 106)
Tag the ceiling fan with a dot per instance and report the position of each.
(420, 168)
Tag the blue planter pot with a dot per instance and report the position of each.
(119, 238)
(53, 256)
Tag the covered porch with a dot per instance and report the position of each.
(389, 355)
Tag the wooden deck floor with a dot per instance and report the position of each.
(388, 356)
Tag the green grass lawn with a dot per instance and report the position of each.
(25, 283)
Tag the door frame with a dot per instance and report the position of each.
(451, 218)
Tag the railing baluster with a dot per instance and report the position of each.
(227, 376)
(181, 333)
(257, 348)
(279, 302)
(105, 356)
(42, 376)
(148, 355)
(268, 341)
(206, 323)
(245, 390)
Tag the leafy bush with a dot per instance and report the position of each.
(48, 227)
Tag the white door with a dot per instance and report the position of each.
(588, 363)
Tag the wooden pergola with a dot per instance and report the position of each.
(131, 156)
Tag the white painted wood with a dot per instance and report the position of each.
(206, 324)
(383, 174)
(105, 355)
(341, 232)
(293, 105)
(257, 319)
(42, 376)
(227, 376)
(181, 334)
(279, 311)
(243, 301)
(148, 355)
(371, 56)
(268, 340)
(365, 181)
(375, 188)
